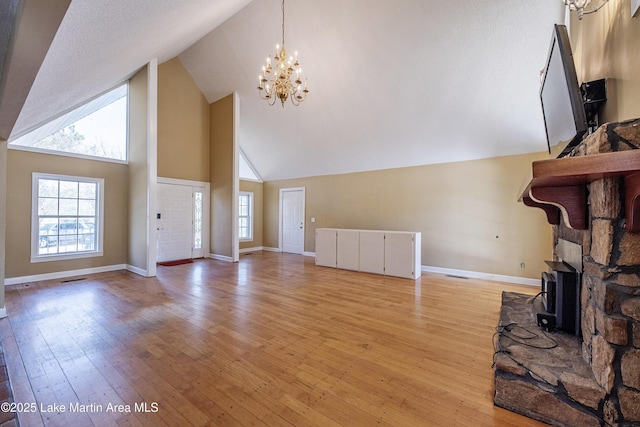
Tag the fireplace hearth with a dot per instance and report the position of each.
(594, 378)
(542, 374)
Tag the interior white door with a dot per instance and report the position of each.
(292, 202)
(174, 222)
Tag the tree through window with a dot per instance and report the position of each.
(95, 129)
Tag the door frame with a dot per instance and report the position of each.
(206, 215)
(280, 216)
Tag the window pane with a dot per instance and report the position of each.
(68, 206)
(47, 236)
(47, 188)
(97, 128)
(68, 236)
(86, 207)
(197, 224)
(244, 215)
(48, 207)
(68, 189)
(66, 224)
(87, 190)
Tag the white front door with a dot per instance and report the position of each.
(179, 222)
(292, 225)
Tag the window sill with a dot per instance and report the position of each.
(65, 257)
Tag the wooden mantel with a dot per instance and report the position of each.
(560, 186)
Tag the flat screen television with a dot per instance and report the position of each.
(562, 104)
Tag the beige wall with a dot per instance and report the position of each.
(183, 125)
(606, 44)
(223, 179)
(257, 189)
(20, 166)
(3, 215)
(467, 212)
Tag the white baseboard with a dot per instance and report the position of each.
(62, 274)
(221, 257)
(137, 270)
(484, 276)
(3, 312)
(268, 249)
(256, 249)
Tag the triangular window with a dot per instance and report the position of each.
(247, 172)
(95, 129)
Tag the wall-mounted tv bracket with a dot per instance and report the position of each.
(594, 95)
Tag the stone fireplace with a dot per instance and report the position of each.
(598, 380)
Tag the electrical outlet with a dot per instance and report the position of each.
(522, 265)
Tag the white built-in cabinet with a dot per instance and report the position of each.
(393, 253)
(347, 247)
(371, 250)
(326, 247)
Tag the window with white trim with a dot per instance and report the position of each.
(245, 216)
(197, 219)
(66, 217)
(95, 130)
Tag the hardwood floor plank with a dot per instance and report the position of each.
(270, 341)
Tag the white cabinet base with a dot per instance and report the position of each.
(347, 249)
(372, 252)
(392, 253)
(326, 247)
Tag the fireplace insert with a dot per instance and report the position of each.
(559, 306)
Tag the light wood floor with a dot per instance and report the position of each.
(272, 340)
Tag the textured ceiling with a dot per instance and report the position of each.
(101, 43)
(393, 83)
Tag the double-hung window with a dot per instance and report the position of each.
(245, 216)
(66, 217)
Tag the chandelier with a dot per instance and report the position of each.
(580, 5)
(282, 79)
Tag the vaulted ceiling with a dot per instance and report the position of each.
(393, 83)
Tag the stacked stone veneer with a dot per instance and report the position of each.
(610, 292)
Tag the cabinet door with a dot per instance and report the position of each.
(399, 255)
(326, 247)
(348, 248)
(372, 252)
